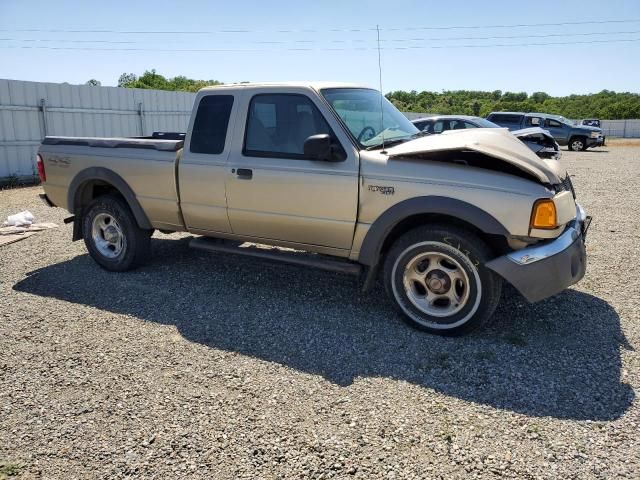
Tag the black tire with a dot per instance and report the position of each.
(470, 252)
(136, 243)
(577, 144)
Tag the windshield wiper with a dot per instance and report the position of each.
(388, 143)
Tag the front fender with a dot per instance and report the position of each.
(385, 223)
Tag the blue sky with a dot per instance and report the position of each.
(262, 51)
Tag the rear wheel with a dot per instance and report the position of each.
(577, 144)
(112, 236)
(437, 278)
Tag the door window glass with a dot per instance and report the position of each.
(438, 127)
(279, 124)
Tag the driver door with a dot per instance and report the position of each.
(559, 130)
(274, 191)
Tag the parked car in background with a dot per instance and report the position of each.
(442, 123)
(537, 139)
(576, 137)
(591, 122)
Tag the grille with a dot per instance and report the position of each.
(567, 186)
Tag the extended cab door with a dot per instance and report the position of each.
(202, 168)
(273, 190)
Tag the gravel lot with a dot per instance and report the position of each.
(208, 366)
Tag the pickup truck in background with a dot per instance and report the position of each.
(576, 137)
(336, 173)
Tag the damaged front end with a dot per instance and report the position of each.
(540, 141)
(488, 148)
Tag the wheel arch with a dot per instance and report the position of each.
(413, 212)
(95, 181)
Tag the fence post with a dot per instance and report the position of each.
(624, 129)
(43, 110)
(141, 116)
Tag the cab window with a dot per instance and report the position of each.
(279, 124)
(210, 125)
(553, 123)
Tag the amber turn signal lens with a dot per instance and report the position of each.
(544, 214)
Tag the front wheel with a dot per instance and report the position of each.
(437, 279)
(577, 144)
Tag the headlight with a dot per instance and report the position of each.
(595, 134)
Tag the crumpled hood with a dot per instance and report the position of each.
(498, 143)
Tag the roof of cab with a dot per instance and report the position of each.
(309, 84)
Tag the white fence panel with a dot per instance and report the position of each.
(621, 128)
(31, 110)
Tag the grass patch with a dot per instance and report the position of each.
(9, 469)
(622, 142)
(15, 181)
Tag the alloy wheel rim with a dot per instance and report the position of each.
(436, 284)
(107, 235)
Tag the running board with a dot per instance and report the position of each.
(292, 257)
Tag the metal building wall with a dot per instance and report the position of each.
(31, 110)
(621, 128)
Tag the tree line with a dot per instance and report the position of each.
(604, 105)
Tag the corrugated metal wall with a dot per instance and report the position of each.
(621, 128)
(31, 110)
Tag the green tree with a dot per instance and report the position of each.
(605, 104)
(150, 79)
(93, 82)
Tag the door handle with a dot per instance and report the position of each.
(244, 173)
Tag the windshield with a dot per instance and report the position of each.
(359, 109)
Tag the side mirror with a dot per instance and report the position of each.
(318, 147)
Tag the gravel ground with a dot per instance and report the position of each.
(209, 366)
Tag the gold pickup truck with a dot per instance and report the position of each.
(338, 175)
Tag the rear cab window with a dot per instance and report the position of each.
(209, 131)
(534, 122)
(511, 119)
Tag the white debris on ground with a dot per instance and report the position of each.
(19, 219)
(20, 226)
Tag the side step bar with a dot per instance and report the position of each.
(292, 257)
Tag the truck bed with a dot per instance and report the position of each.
(147, 163)
(161, 141)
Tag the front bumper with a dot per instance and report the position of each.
(595, 142)
(545, 269)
